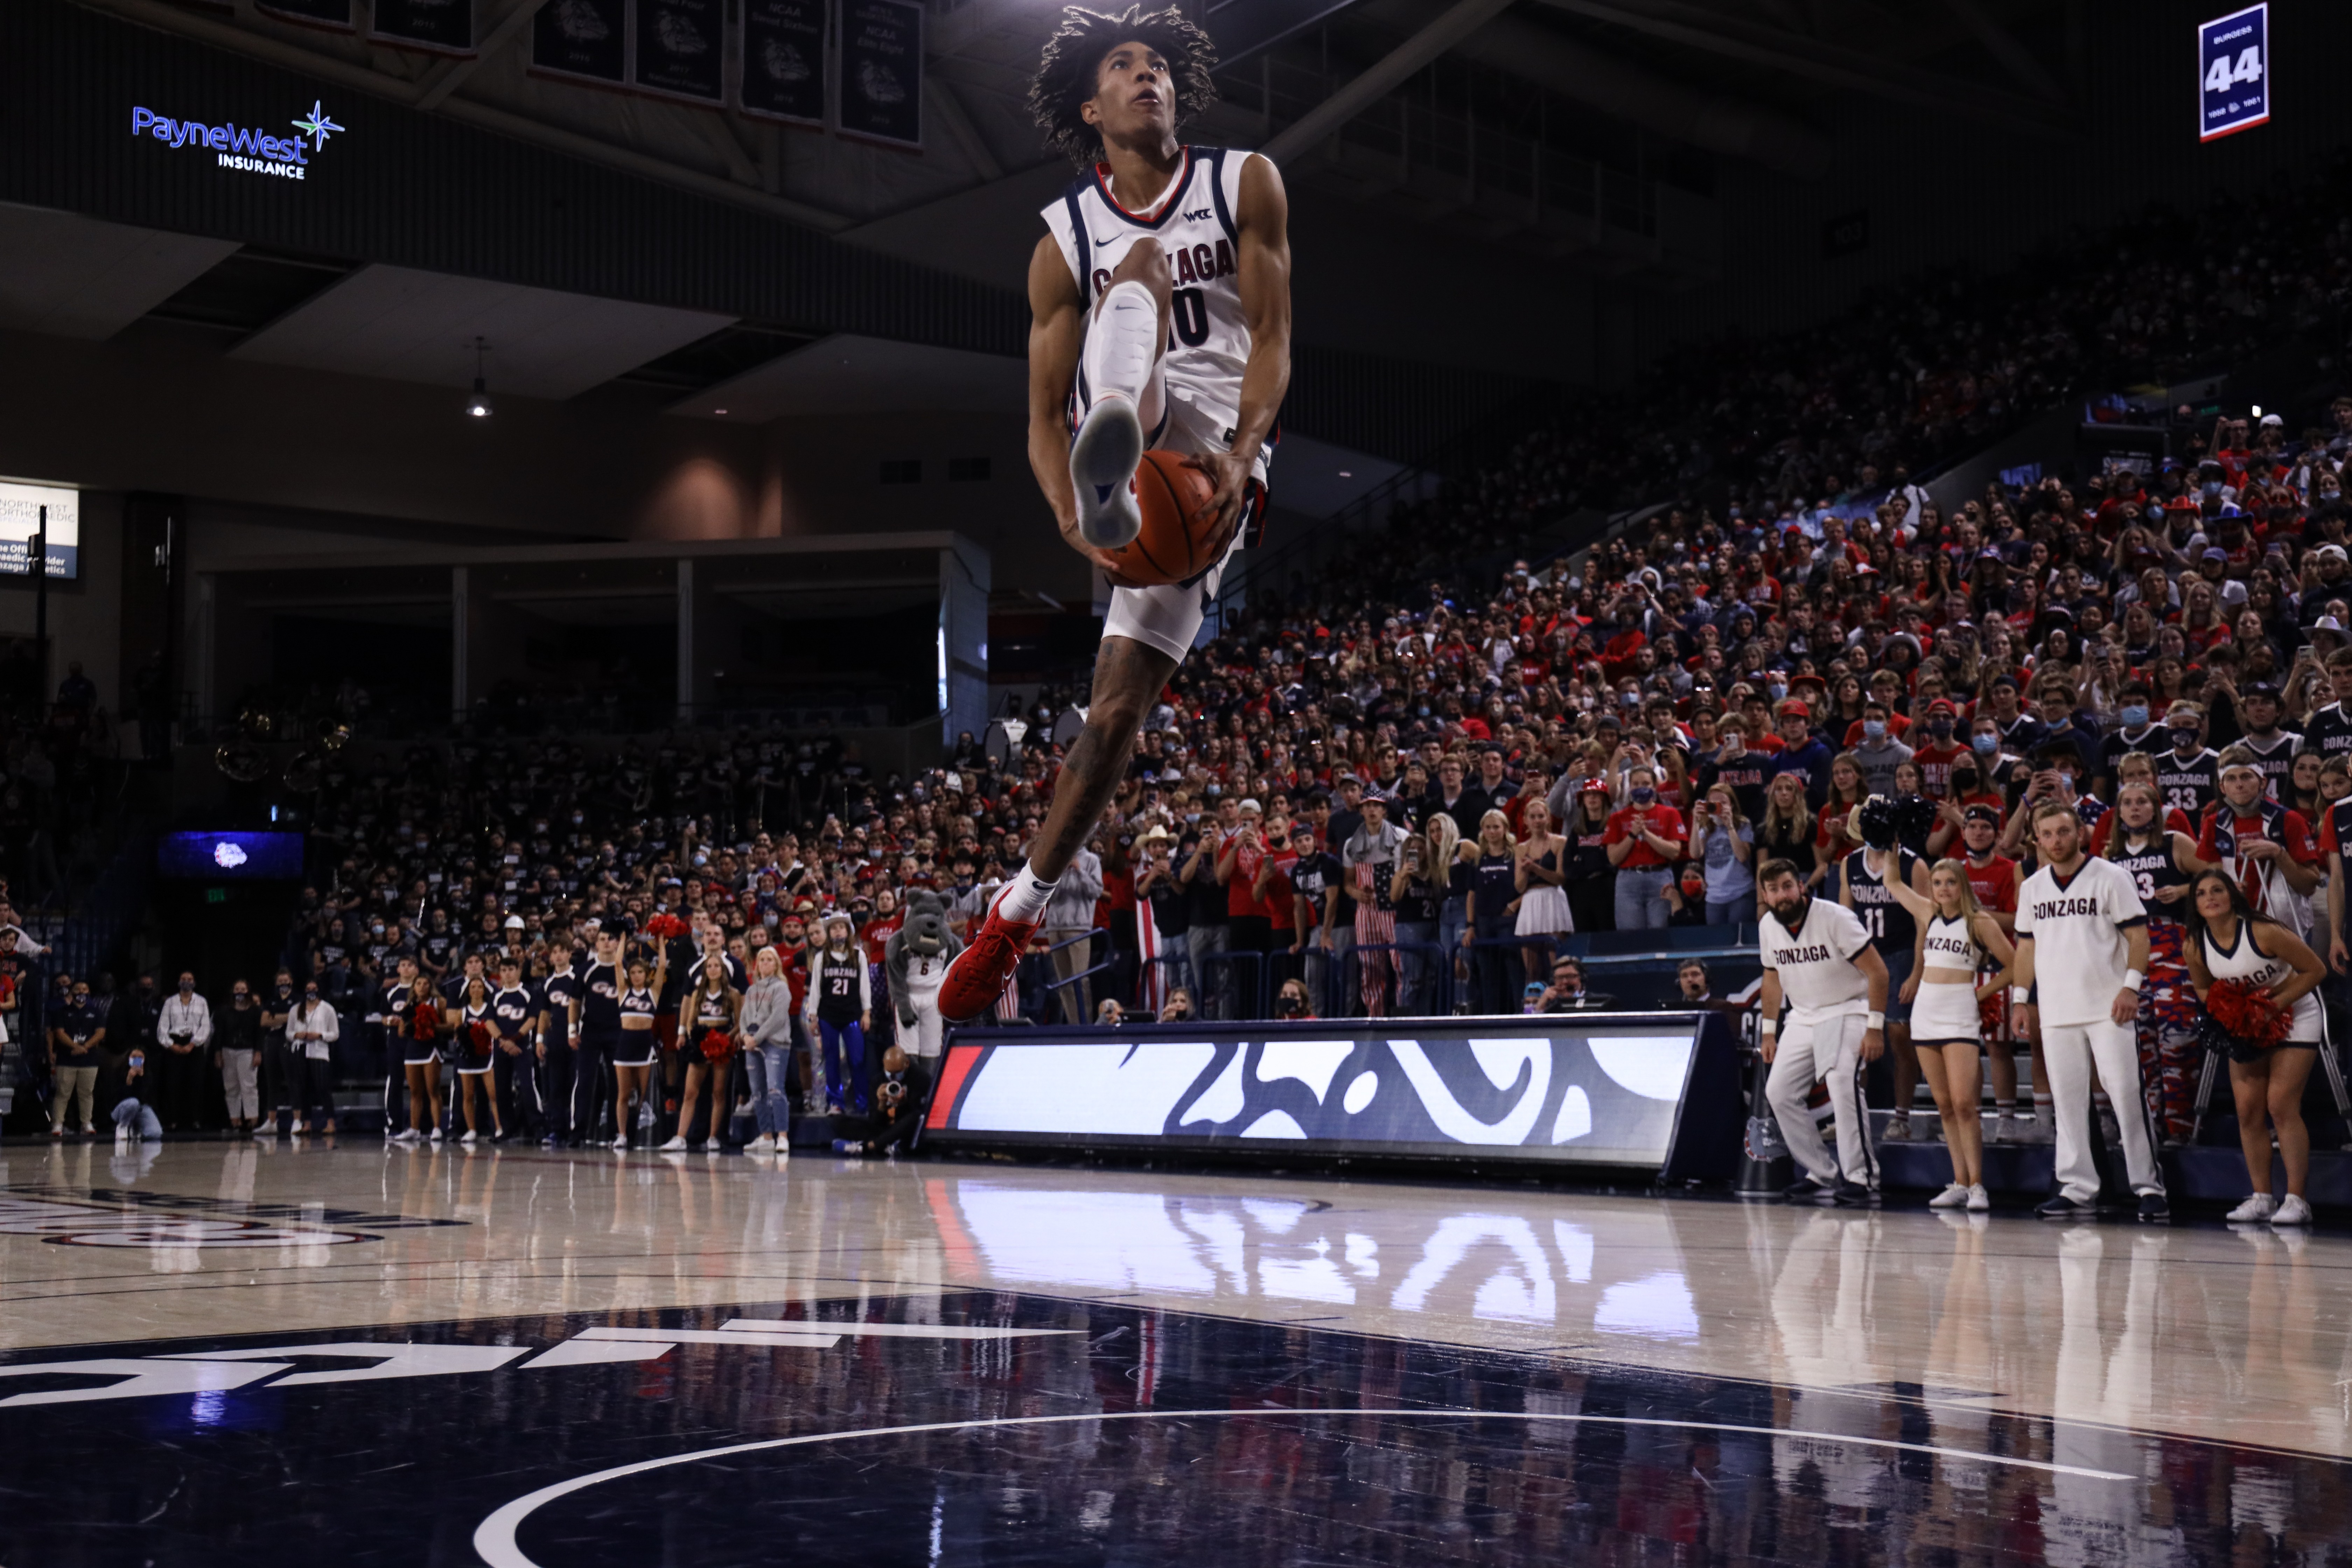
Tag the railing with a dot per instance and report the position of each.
(83, 928)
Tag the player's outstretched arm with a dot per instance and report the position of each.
(1057, 330)
(1263, 217)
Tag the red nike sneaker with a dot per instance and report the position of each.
(982, 971)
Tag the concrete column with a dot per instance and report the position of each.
(461, 637)
(688, 666)
(202, 630)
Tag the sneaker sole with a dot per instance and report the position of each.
(955, 1004)
(1103, 459)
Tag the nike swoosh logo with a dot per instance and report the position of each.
(1112, 240)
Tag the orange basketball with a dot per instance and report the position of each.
(1180, 526)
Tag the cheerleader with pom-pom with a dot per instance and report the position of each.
(2257, 981)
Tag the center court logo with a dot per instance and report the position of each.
(248, 151)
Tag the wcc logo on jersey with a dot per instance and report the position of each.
(249, 151)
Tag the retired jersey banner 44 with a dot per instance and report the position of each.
(2233, 73)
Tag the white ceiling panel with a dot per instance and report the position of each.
(406, 326)
(850, 375)
(74, 277)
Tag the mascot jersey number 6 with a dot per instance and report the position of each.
(917, 958)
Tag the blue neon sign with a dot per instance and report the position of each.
(247, 149)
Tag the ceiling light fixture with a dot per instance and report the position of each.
(478, 406)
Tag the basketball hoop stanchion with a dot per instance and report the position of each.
(1765, 1164)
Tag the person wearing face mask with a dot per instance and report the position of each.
(1878, 751)
(281, 1073)
(312, 1028)
(132, 1015)
(183, 1031)
(2139, 732)
(2187, 773)
(77, 1045)
(1941, 748)
(240, 1051)
(1645, 839)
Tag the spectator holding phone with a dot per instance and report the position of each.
(134, 1118)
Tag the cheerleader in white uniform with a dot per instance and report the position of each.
(2229, 940)
(1956, 940)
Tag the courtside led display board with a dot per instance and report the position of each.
(2234, 72)
(242, 857)
(1573, 1089)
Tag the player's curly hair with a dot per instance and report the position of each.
(1067, 74)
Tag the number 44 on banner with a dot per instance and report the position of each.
(2233, 73)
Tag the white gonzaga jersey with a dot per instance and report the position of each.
(1950, 944)
(2081, 948)
(2245, 960)
(1208, 334)
(1815, 962)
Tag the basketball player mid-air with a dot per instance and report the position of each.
(1160, 298)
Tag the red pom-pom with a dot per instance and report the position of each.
(717, 1045)
(666, 926)
(2249, 1011)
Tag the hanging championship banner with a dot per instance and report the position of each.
(335, 14)
(881, 93)
(681, 49)
(444, 27)
(783, 60)
(584, 39)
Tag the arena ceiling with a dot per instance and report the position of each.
(1590, 135)
(1558, 125)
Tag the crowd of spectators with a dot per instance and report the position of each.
(1396, 788)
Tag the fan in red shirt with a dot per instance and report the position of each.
(1941, 749)
(1645, 813)
(1993, 877)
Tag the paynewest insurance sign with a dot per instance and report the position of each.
(250, 149)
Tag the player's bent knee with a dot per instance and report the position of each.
(1147, 264)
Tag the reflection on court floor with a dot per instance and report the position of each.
(537, 1359)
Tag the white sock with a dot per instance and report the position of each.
(1121, 342)
(1026, 896)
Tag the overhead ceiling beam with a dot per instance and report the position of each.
(1566, 64)
(375, 84)
(2014, 58)
(450, 75)
(960, 30)
(1360, 92)
(1701, 29)
(939, 97)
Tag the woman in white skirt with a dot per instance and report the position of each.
(1956, 941)
(2229, 940)
(1541, 868)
